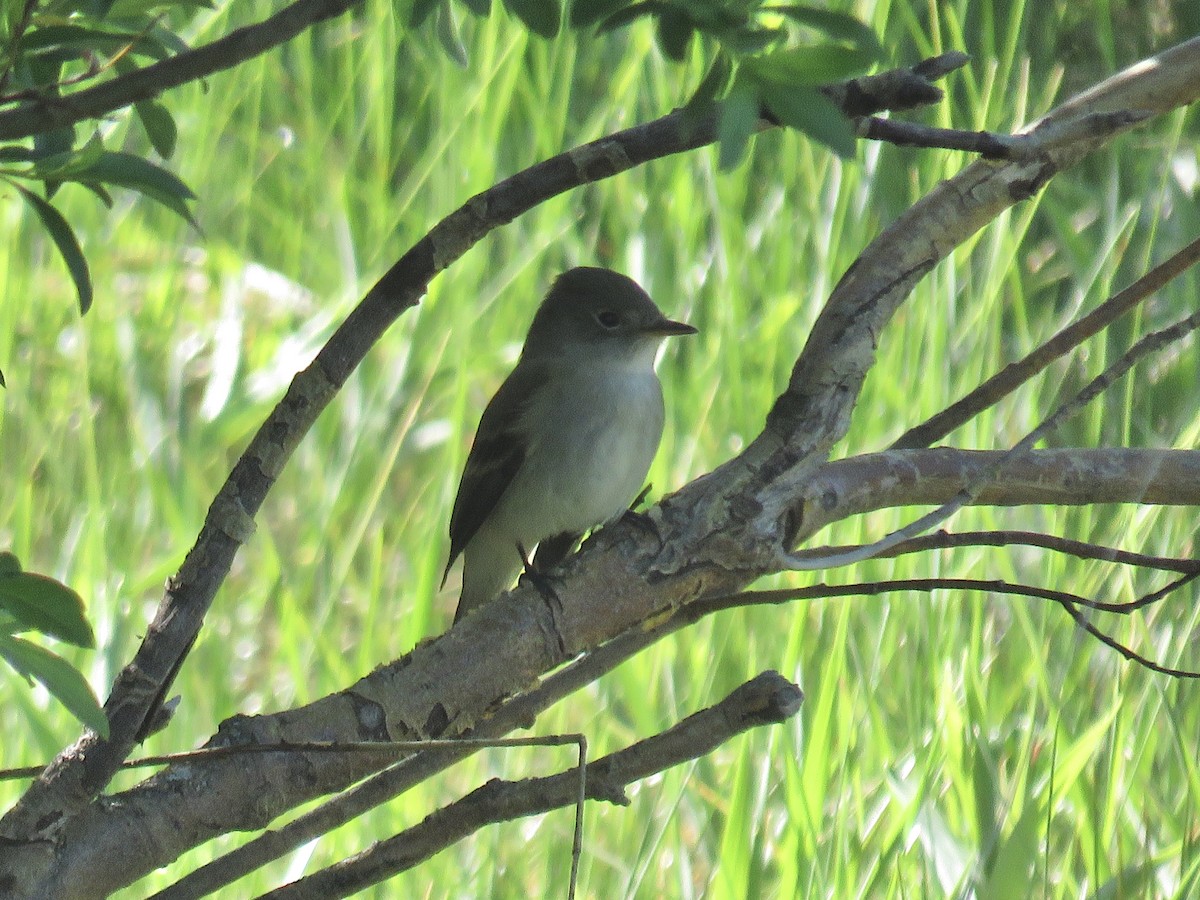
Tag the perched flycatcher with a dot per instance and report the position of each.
(567, 441)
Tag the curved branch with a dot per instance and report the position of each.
(192, 65)
(946, 540)
(83, 769)
(1015, 374)
(1066, 477)
(713, 537)
(768, 699)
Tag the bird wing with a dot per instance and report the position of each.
(495, 458)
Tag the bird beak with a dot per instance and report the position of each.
(666, 328)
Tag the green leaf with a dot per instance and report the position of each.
(630, 13)
(170, 42)
(421, 10)
(447, 32)
(815, 65)
(14, 153)
(57, 142)
(132, 9)
(99, 8)
(60, 678)
(9, 564)
(63, 166)
(589, 12)
(714, 82)
(746, 41)
(542, 17)
(807, 109)
(159, 125)
(47, 605)
(835, 24)
(2, 383)
(675, 31)
(64, 43)
(481, 8)
(739, 118)
(99, 191)
(130, 171)
(68, 246)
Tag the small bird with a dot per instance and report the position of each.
(567, 441)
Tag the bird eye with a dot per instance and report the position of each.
(608, 319)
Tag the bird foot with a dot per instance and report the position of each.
(538, 580)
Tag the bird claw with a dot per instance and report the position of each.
(538, 580)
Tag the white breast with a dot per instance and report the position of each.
(598, 429)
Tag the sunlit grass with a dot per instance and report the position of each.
(946, 742)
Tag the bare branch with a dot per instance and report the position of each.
(766, 700)
(991, 144)
(1125, 651)
(944, 540)
(1015, 374)
(1063, 477)
(1149, 344)
(84, 768)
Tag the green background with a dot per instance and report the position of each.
(947, 743)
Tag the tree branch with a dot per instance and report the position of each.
(768, 699)
(148, 82)
(945, 540)
(84, 768)
(1015, 374)
(714, 536)
(1064, 477)
(1143, 347)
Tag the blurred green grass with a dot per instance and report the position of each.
(948, 744)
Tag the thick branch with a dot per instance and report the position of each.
(716, 535)
(891, 478)
(736, 505)
(83, 769)
(766, 700)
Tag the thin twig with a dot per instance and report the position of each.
(1127, 652)
(1070, 602)
(148, 82)
(943, 540)
(991, 144)
(390, 748)
(1015, 374)
(1149, 344)
(580, 800)
(765, 700)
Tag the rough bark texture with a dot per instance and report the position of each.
(714, 536)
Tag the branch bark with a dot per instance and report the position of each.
(83, 769)
(714, 536)
(146, 83)
(768, 699)
(186, 805)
